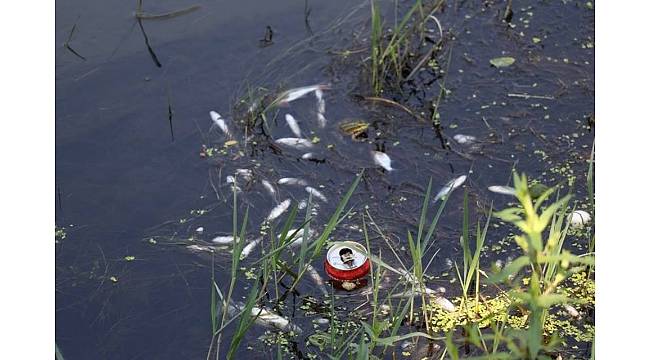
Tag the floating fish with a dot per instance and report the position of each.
(382, 160)
(322, 121)
(223, 240)
(293, 124)
(579, 218)
(265, 317)
(296, 93)
(247, 174)
(318, 280)
(279, 210)
(297, 143)
(269, 188)
(292, 181)
(450, 186)
(443, 302)
(316, 193)
(571, 311)
(464, 139)
(319, 95)
(199, 230)
(249, 248)
(200, 248)
(220, 122)
(230, 179)
(505, 190)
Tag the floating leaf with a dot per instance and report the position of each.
(230, 143)
(502, 61)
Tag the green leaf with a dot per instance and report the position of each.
(512, 268)
(546, 301)
(502, 61)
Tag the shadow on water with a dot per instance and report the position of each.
(131, 188)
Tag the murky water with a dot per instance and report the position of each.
(125, 176)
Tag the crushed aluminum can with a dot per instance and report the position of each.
(347, 265)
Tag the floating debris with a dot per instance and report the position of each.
(249, 248)
(579, 218)
(450, 186)
(308, 156)
(296, 93)
(220, 122)
(571, 311)
(230, 179)
(464, 139)
(292, 181)
(223, 240)
(316, 193)
(199, 230)
(318, 280)
(279, 210)
(504, 190)
(293, 125)
(502, 61)
(297, 143)
(382, 160)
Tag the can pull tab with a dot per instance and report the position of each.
(347, 257)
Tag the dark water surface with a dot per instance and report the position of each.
(121, 180)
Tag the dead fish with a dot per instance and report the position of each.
(220, 122)
(223, 240)
(382, 160)
(199, 230)
(279, 210)
(450, 186)
(247, 174)
(444, 303)
(579, 218)
(505, 190)
(297, 143)
(464, 139)
(321, 101)
(293, 125)
(316, 193)
(292, 181)
(296, 93)
(319, 95)
(200, 248)
(269, 188)
(318, 280)
(265, 317)
(249, 248)
(230, 179)
(308, 156)
(322, 121)
(571, 311)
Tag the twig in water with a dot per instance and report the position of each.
(394, 103)
(146, 41)
(168, 15)
(307, 13)
(170, 115)
(67, 44)
(268, 37)
(527, 96)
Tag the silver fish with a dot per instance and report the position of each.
(200, 248)
(297, 93)
(321, 101)
(318, 280)
(249, 248)
(223, 240)
(308, 156)
(230, 179)
(450, 186)
(293, 124)
(316, 193)
(382, 160)
(265, 317)
(505, 190)
(443, 302)
(322, 121)
(279, 210)
(297, 143)
(220, 122)
(269, 188)
(292, 181)
(464, 139)
(247, 174)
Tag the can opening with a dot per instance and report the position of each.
(347, 257)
